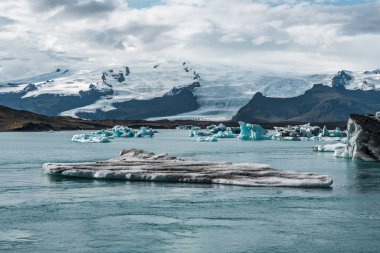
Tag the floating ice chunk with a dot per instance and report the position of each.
(104, 132)
(337, 133)
(192, 133)
(245, 131)
(187, 127)
(252, 132)
(123, 131)
(325, 132)
(145, 132)
(85, 138)
(225, 134)
(214, 128)
(258, 133)
(139, 165)
(208, 139)
(329, 147)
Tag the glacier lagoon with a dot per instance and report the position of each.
(46, 214)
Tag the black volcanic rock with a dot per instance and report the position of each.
(176, 101)
(319, 104)
(342, 78)
(127, 71)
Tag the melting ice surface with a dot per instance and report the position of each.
(44, 214)
(141, 165)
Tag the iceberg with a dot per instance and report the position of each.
(329, 147)
(123, 131)
(140, 165)
(258, 133)
(225, 134)
(208, 139)
(118, 131)
(252, 132)
(337, 133)
(90, 138)
(245, 131)
(298, 132)
(187, 127)
(363, 139)
(145, 132)
(325, 132)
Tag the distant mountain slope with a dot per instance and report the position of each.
(19, 120)
(142, 90)
(178, 100)
(319, 104)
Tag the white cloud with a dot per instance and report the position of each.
(40, 35)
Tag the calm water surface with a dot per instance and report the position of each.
(39, 213)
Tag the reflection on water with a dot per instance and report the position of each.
(364, 176)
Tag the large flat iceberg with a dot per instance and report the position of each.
(139, 165)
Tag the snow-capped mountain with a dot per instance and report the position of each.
(220, 91)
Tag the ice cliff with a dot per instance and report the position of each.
(363, 143)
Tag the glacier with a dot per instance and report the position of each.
(223, 89)
(140, 165)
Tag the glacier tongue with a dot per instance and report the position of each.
(140, 165)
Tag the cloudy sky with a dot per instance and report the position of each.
(322, 35)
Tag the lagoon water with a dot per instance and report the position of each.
(39, 213)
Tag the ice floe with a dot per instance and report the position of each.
(140, 165)
(118, 131)
(329, 147)
(307, 132)
(90, 138)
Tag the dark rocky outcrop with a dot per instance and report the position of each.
(319, 104)
(30, 87)
(51, 104)
(176, 101)
(372, 72)
(342, 78)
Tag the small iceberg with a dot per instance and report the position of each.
(208, 139)
(140, 165)
(329, 147)
(225, 134)
(252, 132)
(118, 131)
(307, 132)
(90, 138)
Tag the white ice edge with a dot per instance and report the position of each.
(139, 165)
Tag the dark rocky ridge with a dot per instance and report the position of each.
(176, 101)
(319, 104)
(51, 104)
(342, 78)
